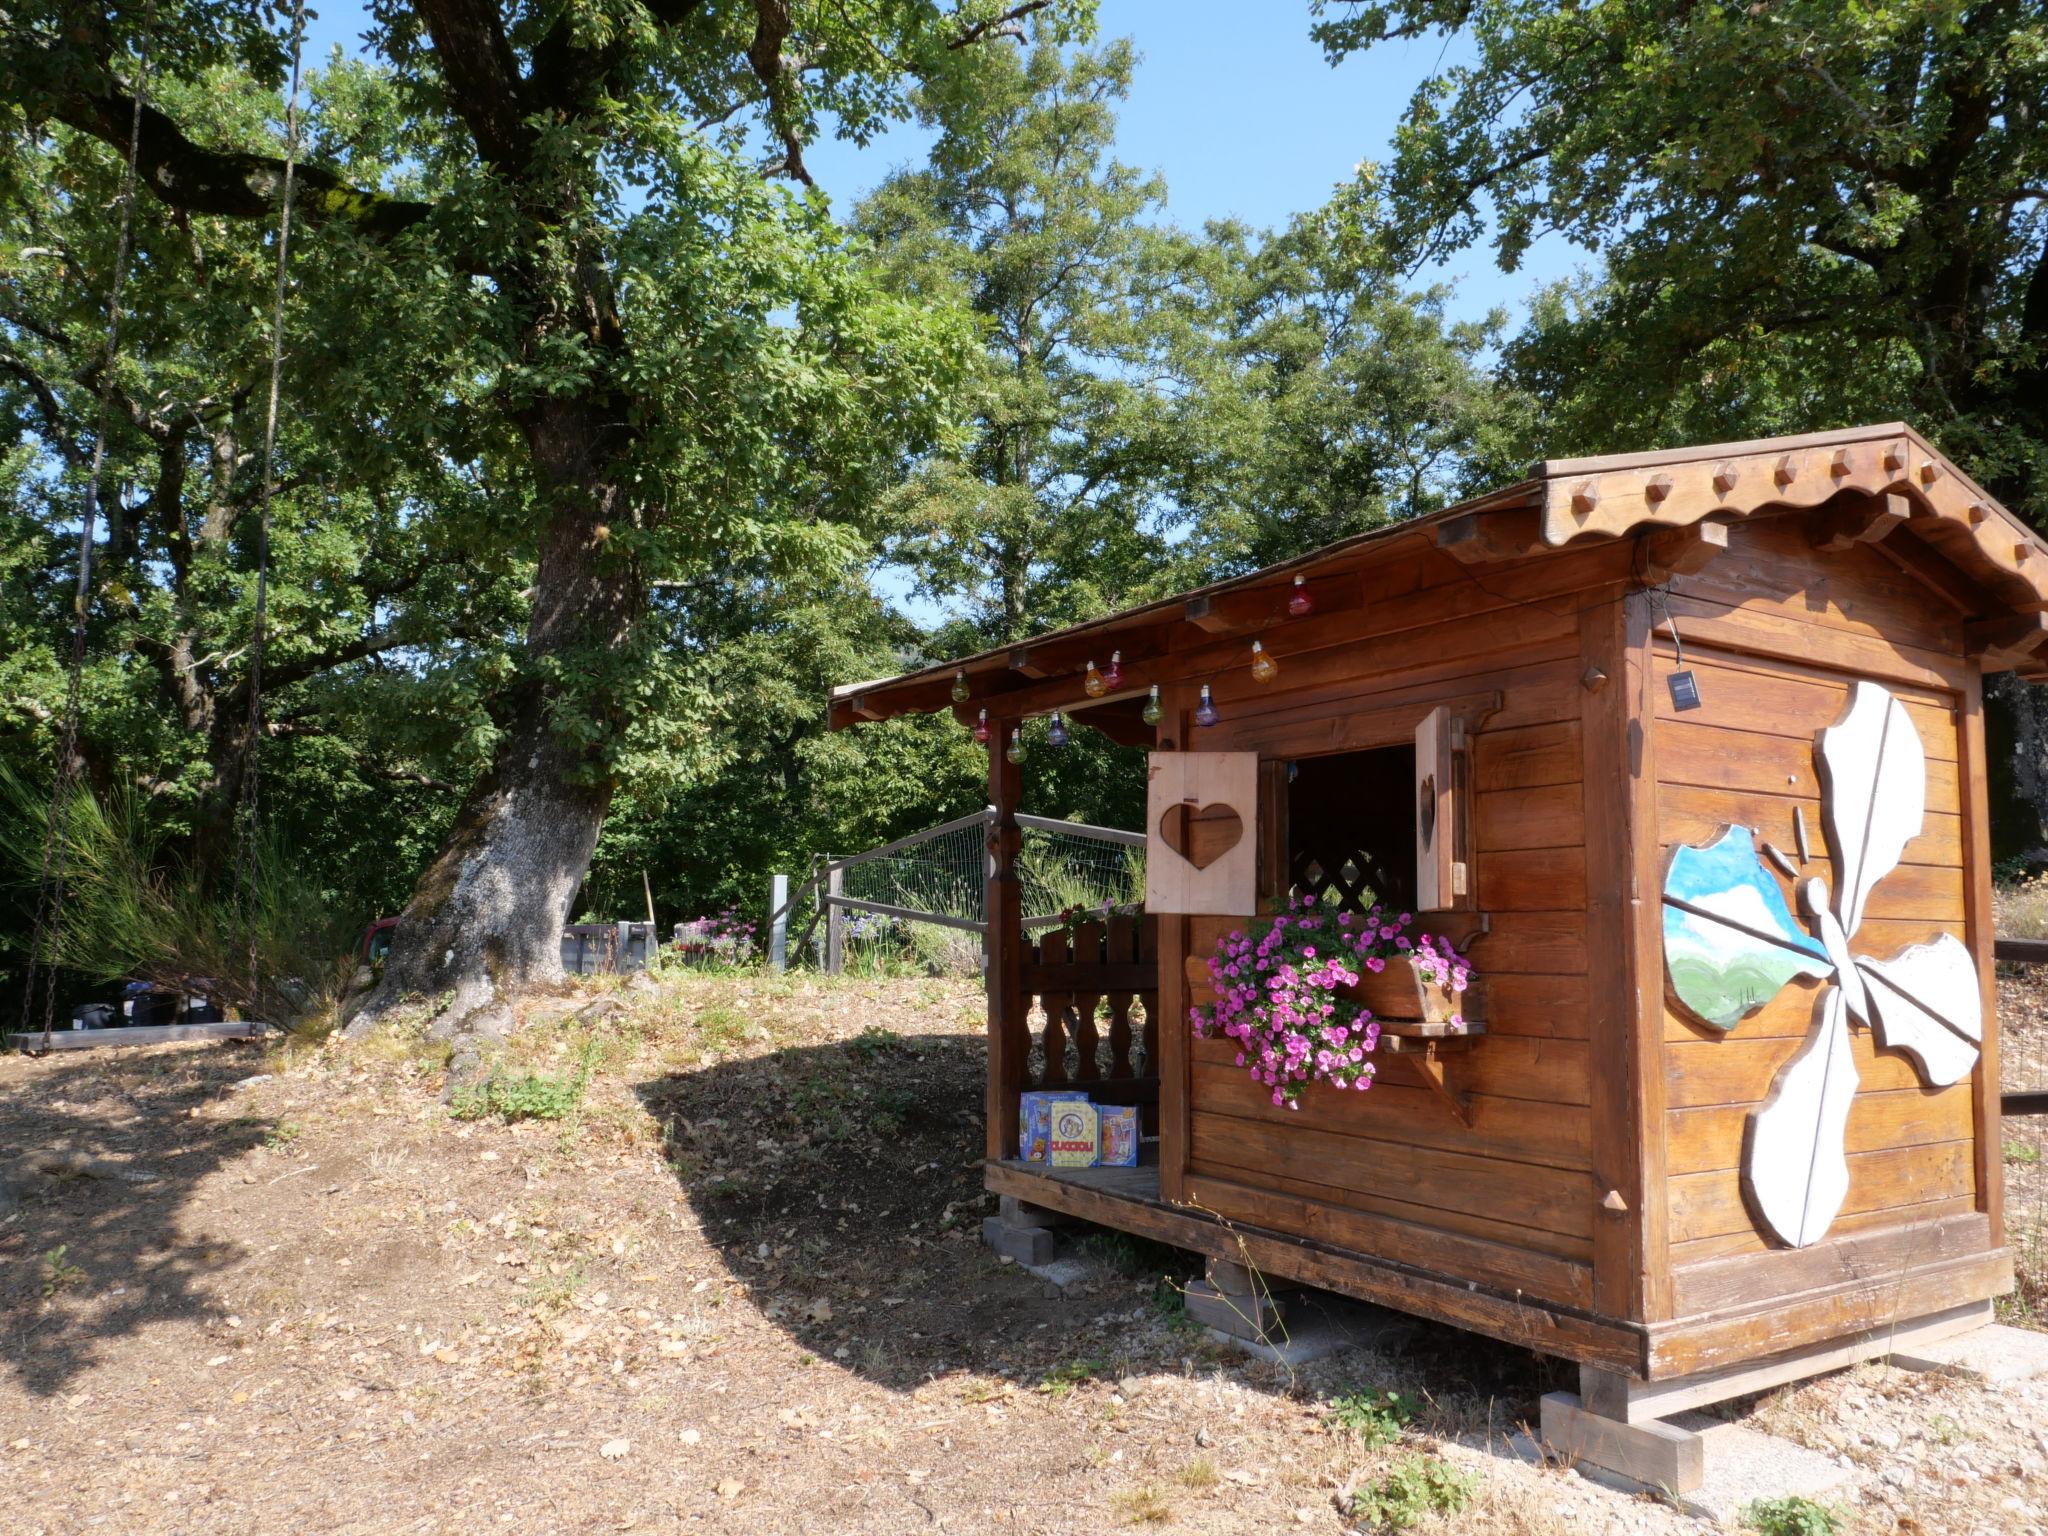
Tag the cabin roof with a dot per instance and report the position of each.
(1956, 536)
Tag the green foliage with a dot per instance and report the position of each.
(1376, 1418)
(510, 1096)
(1411, 1490)
(267, 946)
(1794, 1515)
(59, 1272)
(1811, 214)
(1052, 881)
(1056, 510)
(1334, 399)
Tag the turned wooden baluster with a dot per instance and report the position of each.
(1087, 1045)
(1148, 951)
(1052, 951)
(1123, 949)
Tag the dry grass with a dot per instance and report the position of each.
(739, 1288)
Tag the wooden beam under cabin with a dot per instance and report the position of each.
(2008, 641)
(1681, 551)
(1245, 609)
(1121, 720)
(1506, 533)
(1851, 519)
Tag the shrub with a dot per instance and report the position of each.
(1793, 1516)
(1414, 1487)
(264, 941)
(1376, 1418)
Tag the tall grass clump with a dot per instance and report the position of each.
(263, 940)
(1054, 881)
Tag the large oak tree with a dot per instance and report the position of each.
(611, 194)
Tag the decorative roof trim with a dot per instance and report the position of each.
(1565, 501)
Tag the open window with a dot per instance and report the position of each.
(1387, 823)
(1351, 828)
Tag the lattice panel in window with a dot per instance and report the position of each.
(1352, 881)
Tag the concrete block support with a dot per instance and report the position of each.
(1651, 1452)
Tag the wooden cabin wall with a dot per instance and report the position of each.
(1510, 1201)
(1776, 634)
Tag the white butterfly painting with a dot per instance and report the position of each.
(1731, 944)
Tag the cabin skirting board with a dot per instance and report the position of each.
(1730, 1335)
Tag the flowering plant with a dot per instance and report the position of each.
(1279, 995)
(726, 938)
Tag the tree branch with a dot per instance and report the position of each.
(275, 728)
(1004, 25)
(772, 26)
(47, 406)
(475, 58)
(229, 183)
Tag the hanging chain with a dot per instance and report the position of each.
(249, 820)
(46, 938)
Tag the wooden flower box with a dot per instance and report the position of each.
(1396, 995)
(1401, 993)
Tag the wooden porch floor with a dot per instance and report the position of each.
(1128, 1200)
(1140, 1184)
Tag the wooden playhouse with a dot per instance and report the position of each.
(1684, 750)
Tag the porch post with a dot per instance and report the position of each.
(1002, 946)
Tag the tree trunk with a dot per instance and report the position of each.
(486, 918)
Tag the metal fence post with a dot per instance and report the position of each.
(778, 929)
(835, 927)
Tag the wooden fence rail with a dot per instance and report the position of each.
(2023, 952)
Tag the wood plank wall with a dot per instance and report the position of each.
(1775, 640)
(1508, 1203)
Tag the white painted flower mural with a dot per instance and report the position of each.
(1731, 944)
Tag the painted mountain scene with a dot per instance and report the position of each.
(1730, 941)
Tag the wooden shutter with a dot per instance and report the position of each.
(1201, 833)
(1441, 872)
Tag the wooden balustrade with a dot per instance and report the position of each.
(1065, 988)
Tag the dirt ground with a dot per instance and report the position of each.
(739, 1289)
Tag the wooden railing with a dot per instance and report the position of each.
(1089, 1012)
(2024, 952)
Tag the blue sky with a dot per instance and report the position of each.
(1232, 104)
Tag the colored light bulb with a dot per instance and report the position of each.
(981, 727)
(1015, 751)
(1114, 677)
(1205, 712)
(1264, 667)
(1154, 710)
(1056, 733)
(960, 686)
(1094, 683)
(1298, 601)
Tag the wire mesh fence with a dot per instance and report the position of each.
(926, 893)
(1062, 866)
(942, 875)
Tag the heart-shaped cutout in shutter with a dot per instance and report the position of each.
(1201, 834)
